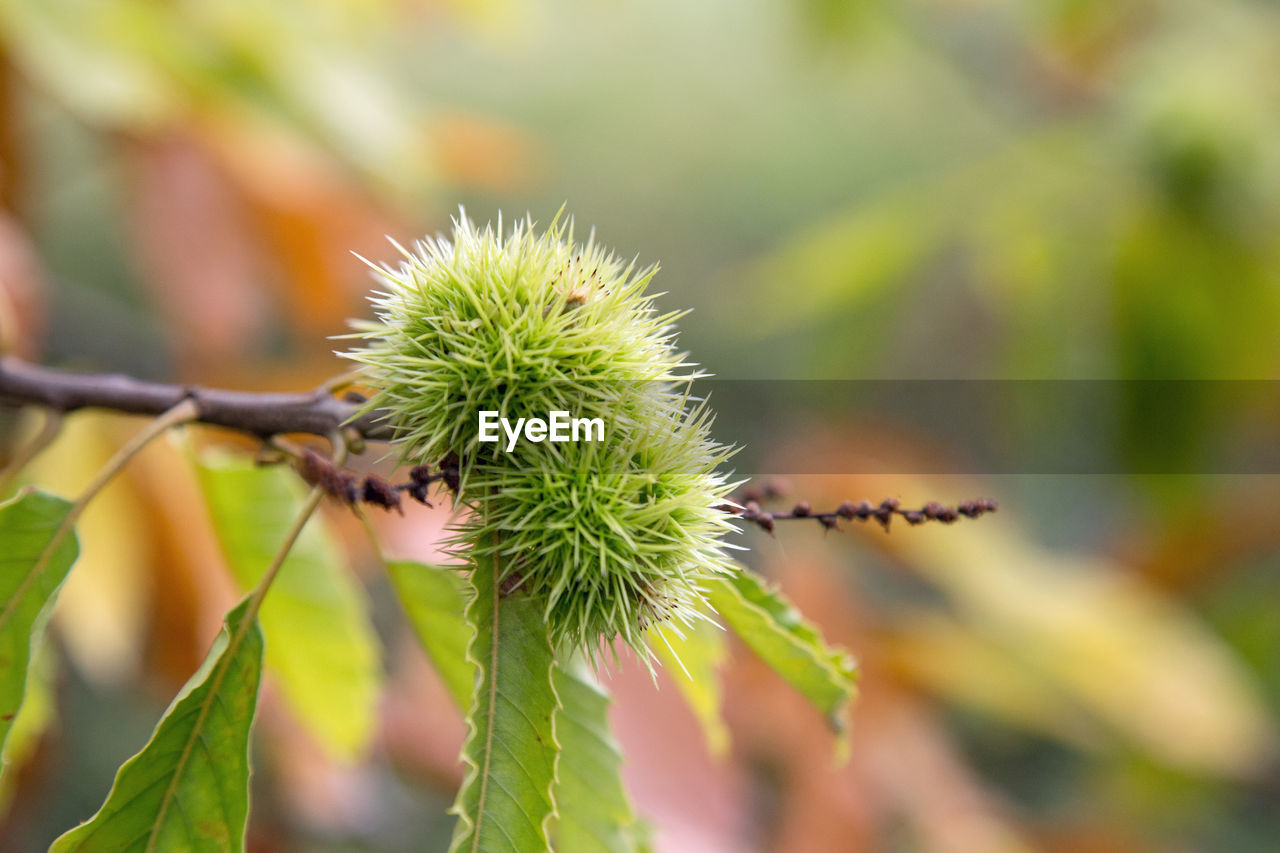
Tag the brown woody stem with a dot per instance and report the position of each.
(263, 414)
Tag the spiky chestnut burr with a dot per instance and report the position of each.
(610, 535)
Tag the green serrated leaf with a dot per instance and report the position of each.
(594, 814)
(435, 600)
(321, 646)
(34, 560)
(774, 630)
(693, 662)
(505, 803)
(188, 789)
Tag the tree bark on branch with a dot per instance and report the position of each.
(262, 414)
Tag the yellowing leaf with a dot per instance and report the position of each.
(434, 599)
(321, 647)
(1117, 647)
(962, 664)
(693, 663)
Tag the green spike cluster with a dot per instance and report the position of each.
(612, 535)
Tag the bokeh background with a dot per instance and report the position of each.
(840, 189)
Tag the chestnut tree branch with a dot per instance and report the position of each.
(319, 412)
(262, 414)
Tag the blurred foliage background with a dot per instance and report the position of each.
(841, 189)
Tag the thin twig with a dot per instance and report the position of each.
(183, 412)
(882, 513)
(304, 515)
(50, 425)
(264, 583)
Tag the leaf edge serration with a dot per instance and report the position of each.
(486, 584)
